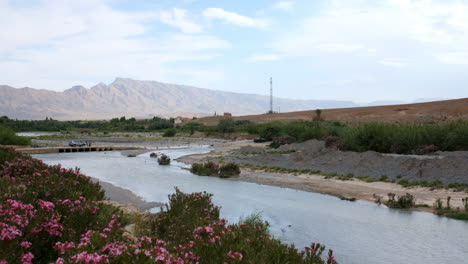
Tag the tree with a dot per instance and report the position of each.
(226, 125)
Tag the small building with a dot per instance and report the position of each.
(179, 120)
(227, 114)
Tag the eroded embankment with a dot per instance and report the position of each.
(448, 167)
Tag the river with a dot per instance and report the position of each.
(359, 232)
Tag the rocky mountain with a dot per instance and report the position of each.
(133, 98)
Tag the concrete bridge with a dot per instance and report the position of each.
(70, 149)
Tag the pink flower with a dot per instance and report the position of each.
(9, 232)
(46, 205)
(234, 255)
(26, 258)
(26, 244)
(62, 248)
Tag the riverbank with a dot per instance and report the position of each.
(124, 197)
(243, 152)
(350, 188)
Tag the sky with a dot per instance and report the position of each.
(358, 50)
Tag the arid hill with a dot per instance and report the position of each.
(140, 99)
(404, 113)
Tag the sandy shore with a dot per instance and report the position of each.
(126, 197)
(350, 189)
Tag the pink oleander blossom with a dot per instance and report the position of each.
(26, 244)
(27, 258)
(48, 206)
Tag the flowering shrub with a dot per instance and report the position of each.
(53, 215)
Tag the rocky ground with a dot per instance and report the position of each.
(448, 167)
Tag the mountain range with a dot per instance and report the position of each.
(142, 99)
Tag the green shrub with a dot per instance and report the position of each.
(164, 160)
(8, 137)
(170, 132)
(406, 201)
(281, 140)
(205, 169)
(229, 170)
(226, 125)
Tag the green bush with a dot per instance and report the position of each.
(226, 126)
(8, 137)
(281, 140)
(404, 202)
(229, 170)
(205, 169)
(164, 160)
(170, 132)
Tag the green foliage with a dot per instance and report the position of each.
(448, 211)
(164, 160)
(171, 132)
(229, 170)
(115, 124)
(183, 214)
(210, 168)
(226, 125)
(205, 169)
(406, 201)
(281, 140)
(8, 137)
(190, 218)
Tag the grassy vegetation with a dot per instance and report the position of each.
(212, 169)
(8, 137)
(115, 124)
(404, 202)
(436, 184)
(380, 137)
(49, 214)
(447, 210)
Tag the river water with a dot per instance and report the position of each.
(359, 232)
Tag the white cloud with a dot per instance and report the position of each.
(52, 45)
(455, 58)
(393, 62)
(283, 5)
(264, 57)
(178, 18)
(387, 28)
(234, 18)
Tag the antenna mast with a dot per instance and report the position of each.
(271, 95)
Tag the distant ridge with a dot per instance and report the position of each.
(428, 112)
(141, 99)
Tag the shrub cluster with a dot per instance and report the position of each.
(191, 222)
(381, 137)
(406, 201)
(212, 169)
(43, 205)
(448, 211)
(9, 137)
(171, 132)
(49, 214)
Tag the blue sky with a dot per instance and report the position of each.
(359, 50)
